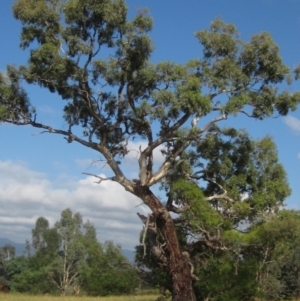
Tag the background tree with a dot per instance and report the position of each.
(69, 258)
(126, 97)
(108, 272)
(41, 226)
(236, 278)
(7, 253)
(65, 267)
(29, 274)
(277, 246)
(59, 255)
(16, 266)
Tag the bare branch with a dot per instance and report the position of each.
(70, 137)
(168, 135)
(98, 177)
(178, 210)
(148, 151)
(155, 246)
(219, 196)
(144, 235)
(165, 167)
(247, 114)
(209, 124)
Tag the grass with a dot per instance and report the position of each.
(23, 297)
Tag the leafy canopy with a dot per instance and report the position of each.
(99, 63)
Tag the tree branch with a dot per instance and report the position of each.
(178, 210)
(219, 196)
(98, 177)
(119, 176)
(155, 246)
(144, 177)
(209, 124)
(165, 167)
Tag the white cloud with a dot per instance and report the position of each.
(26, 195)
(292, 122)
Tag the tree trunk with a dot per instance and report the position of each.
(176, 264)
(63, 291)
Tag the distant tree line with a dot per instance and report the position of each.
(67, 259)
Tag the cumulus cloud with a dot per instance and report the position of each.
(292, 122)
(26, 195)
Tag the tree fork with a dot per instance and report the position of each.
(178, 265)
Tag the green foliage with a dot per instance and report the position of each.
(108, 272)
(68, 36)
(232, 181)
(155, 275)
(16, 266)
(277, 252)
(232, 65)
(236, 278)
(7, 252)
(14, 102)
(33, 281)
(69, 256)
(64, 269)
(243, 184)
(201, 212)
(41, 226)
(247, 169)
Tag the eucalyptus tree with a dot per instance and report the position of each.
(7, 253)
(60, 254)
(97, 61)
(41, 226)
(64, 269)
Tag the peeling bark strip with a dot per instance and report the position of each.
(172, 260)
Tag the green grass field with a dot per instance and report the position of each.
(20, 297)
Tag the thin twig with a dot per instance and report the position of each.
(98, 177)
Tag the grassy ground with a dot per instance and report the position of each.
(20, 297)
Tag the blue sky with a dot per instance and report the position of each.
(40, 175)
